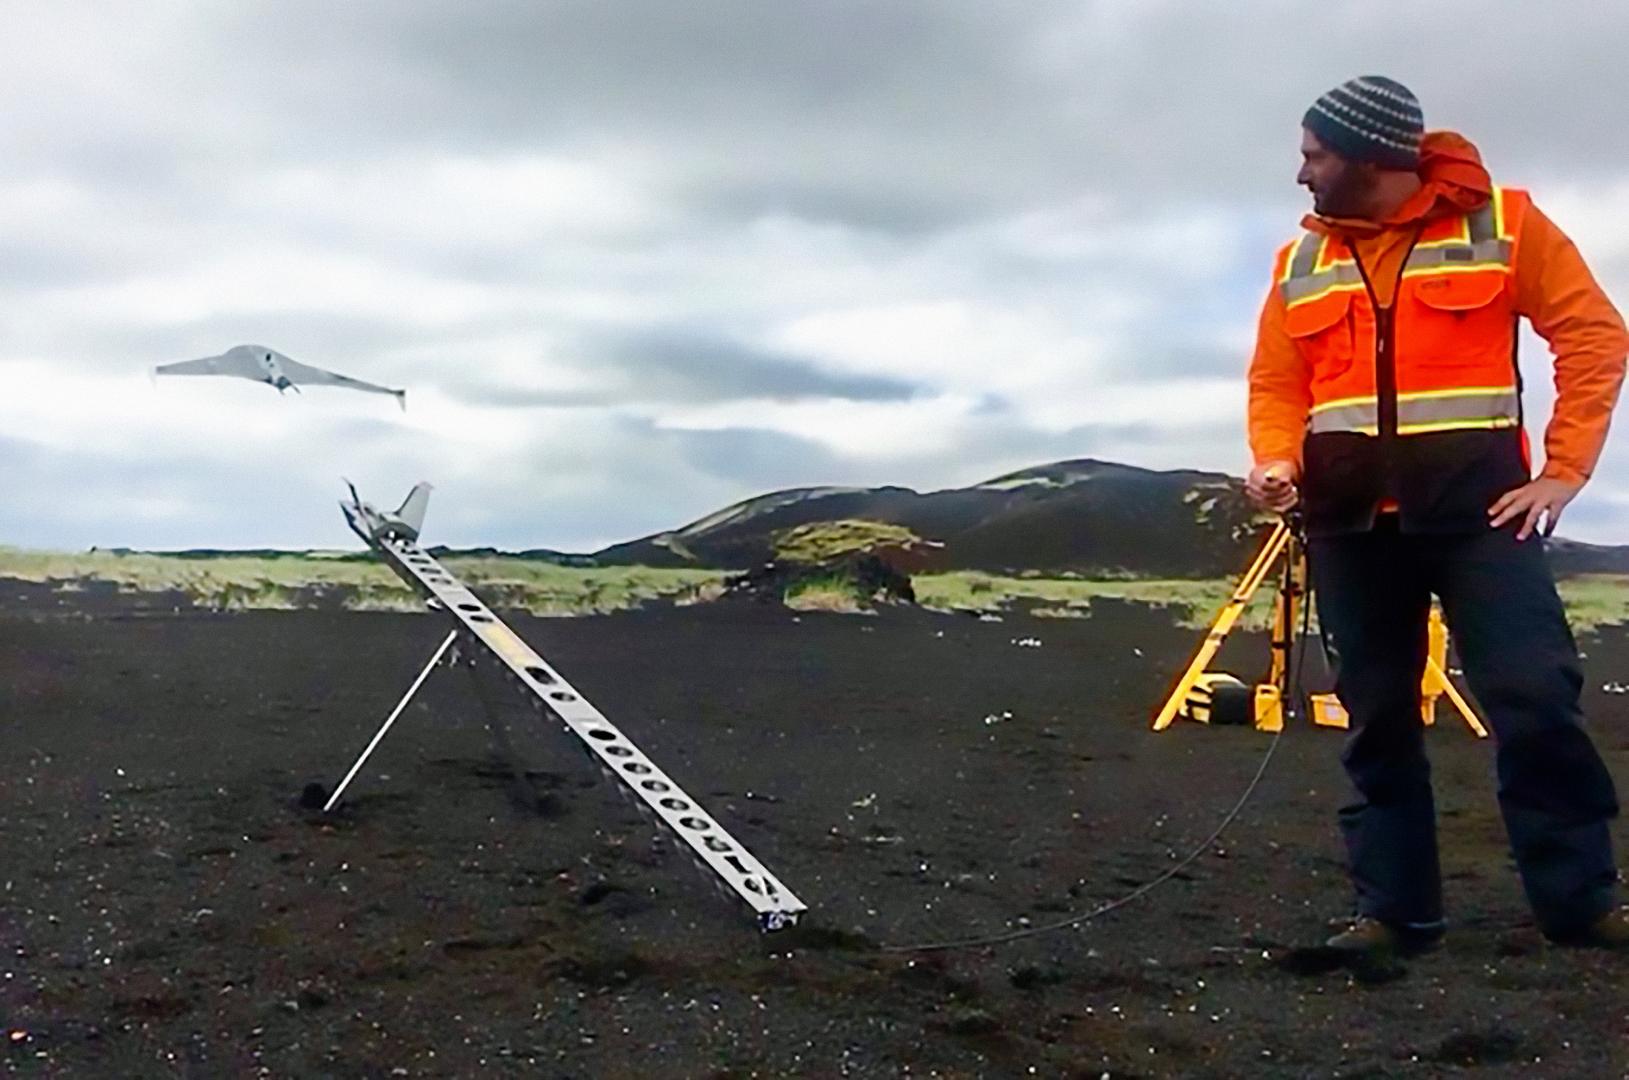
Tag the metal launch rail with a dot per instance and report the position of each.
(394, 537)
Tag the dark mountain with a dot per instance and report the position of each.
(1576, 557)
(1084, 516)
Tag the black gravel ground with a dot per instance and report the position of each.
(167, 907)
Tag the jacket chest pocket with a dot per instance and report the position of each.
(1458, 321)
(1322, 331)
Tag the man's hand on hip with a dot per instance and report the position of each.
(1539, 500)
(1271, 485)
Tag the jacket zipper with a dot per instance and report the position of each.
(1385, 363)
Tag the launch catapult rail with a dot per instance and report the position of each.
(394, 537)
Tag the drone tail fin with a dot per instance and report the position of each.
(412, 510)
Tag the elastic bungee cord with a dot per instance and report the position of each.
(1149, 886)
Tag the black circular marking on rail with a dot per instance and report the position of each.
(561, 695)
(469, 607)
(480, 618)
(638, 768)
(699, 824)
(657, 786)
(539, 675)
(675, 804)
(602, 735)
(713, 843)
(619, 751)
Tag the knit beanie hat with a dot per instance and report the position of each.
(1369, 119)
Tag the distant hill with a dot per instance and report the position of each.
(1576, 557)
(1083, 517)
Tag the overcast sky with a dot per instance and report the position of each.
(638, 260)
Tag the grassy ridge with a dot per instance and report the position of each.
(295, 580)
(822, 540)
(1592, 599)
(1194, 602)
(292, 581)
(1596, 599)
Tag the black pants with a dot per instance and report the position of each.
(1374, 594)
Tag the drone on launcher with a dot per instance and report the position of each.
(274, 369)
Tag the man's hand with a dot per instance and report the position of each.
(1271, 485)
(1543, 498)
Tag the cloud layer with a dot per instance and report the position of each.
(638, 260)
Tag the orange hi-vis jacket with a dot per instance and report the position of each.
(1386, 360)
(1452, 307)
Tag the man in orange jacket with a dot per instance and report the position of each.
(1385, 400)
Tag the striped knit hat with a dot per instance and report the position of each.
(1369, 119)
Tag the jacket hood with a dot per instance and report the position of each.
(1453, 180)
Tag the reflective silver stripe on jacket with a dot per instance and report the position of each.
(1421, 413)
(1483, 248)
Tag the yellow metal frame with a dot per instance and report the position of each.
(1327, 710)
(1293, 591)
(1271, 549)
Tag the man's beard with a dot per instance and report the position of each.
(1346, 195)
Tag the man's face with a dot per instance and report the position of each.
(1340, 188)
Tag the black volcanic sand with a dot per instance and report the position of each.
(170, 909)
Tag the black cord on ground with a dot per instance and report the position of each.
(1292, 706)
(1113, 905)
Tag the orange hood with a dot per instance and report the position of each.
(1453, 180)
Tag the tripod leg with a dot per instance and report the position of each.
(1459, 702)
(391, 719)
(1278, 697)
(1270, 551)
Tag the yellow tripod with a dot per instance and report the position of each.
(1271, 695)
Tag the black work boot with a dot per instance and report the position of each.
(1610, 931)
(1366, 937)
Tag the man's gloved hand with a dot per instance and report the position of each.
(1271, 485)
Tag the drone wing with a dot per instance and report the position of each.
(306, 375)
(225, 364)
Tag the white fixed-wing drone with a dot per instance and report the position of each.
(274, 369)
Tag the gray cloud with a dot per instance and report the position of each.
(905, 113)
(1095, 187)
(920, 110)
(683, 364)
